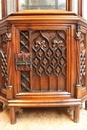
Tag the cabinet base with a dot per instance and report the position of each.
(13, 104)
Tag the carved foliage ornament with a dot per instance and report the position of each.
(7, 37)
(78, 32)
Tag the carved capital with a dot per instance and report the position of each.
(8, 35)
(78, 32)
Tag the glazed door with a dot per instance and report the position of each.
(41, 61)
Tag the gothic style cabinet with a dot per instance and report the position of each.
(43, 60)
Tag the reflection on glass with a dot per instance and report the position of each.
(75, 6)
(42, 4)
(84, 9)
(10, 6)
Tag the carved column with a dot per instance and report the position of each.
(7, 39)
(78, 84)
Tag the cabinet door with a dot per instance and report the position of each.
(42, 60)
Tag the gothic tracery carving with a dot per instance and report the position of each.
(49, 52)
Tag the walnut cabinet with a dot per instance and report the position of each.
(43, 60)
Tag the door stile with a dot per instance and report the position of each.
(16, 49)
(68, 61)
(30, 48)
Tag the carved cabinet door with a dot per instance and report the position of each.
(41, 60)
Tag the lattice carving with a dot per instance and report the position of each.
(49, 53)
(4, 68)
(24, 41)
(5, 40)
(23, 61)
(25, 82)
(82, 60)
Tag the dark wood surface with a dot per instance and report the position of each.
(43, 60)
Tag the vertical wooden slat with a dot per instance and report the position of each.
(68, 56)
(40, 83)
(30, 48)
(80, 7)
(73, 59)
(57, 83)
(16, 5)
(4, 8)
(15, 49)
(69, 5)
(49, 83)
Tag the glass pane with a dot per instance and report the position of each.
(42, 4)
(84, 9)
(0, 10)
(75, 6)
(11, 6)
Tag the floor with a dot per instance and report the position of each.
(43, 119)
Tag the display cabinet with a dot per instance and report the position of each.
(42, 56)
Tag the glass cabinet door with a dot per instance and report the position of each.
(42, 4)
(75, 6)
(84, 9)
(11, 6)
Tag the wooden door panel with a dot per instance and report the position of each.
(49, 60)
(48, 67)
